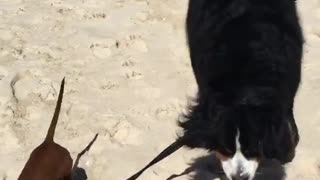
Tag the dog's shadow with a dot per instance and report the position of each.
(208, 168)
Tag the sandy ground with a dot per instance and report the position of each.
(128, 77)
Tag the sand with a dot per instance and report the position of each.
(128, 78)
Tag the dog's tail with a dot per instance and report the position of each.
(52, 128)
(165, 153)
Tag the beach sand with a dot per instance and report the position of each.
(128, 78)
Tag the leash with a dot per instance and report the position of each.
(165, 153)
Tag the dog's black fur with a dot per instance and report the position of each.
(246, 57)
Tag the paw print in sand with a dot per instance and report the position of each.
(133, 75)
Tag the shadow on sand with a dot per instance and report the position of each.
(208, 168)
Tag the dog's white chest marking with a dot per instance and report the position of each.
(239, 166)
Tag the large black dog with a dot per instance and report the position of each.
(246, 56)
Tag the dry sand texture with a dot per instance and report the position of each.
(128, 77)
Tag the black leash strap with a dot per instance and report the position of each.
(165, 153)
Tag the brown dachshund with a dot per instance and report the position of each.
(49, 161)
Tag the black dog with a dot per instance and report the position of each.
(246, 57)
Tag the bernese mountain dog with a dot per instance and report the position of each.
(246, 58)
